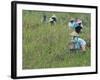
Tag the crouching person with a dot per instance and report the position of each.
(77, 43)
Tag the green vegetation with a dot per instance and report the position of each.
(46, 46)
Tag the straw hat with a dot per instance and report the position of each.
(74, 34)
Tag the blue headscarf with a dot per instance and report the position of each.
(73, 24)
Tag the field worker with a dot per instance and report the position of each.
(44, 18)
(75, 24)
(77, 42)
(53, 19)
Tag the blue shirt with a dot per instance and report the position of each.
(79, 42)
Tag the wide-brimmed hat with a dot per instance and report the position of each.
(74, 34)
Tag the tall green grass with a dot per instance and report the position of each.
(46, 46)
